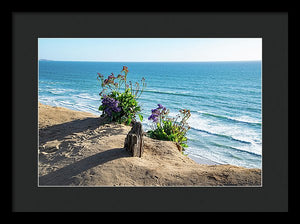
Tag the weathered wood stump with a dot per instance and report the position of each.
(134, 140)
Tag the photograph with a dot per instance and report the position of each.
(150, 112)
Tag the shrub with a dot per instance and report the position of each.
(170, 129)
(119, 99)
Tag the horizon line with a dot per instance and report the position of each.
(148, 61)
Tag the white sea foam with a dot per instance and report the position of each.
(246, 119)
(57, 91)
(242, 118)
(88, 96)
(233, 132)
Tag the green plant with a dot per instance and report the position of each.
(170, 129)
(129, 106)
(119, 99)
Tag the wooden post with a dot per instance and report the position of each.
(134, 140)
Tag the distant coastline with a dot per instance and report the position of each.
(45, 60)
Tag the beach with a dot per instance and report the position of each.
(82, 149)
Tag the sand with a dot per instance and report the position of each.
(82, 149)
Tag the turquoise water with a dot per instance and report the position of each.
(224, 99)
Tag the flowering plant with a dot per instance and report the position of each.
(117, 105)
(116, 84)
(110, 106)
(171, 129)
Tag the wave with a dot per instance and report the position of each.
(57, 91)
(248, 138)
(88, 97)
(235, 149)
(71, 102)
(62, 102)
(236, 107)
(231, 156)
(172, 93)
(242, 119)
(79, 107)
(48, 82)
(87, 108)
(221, 135)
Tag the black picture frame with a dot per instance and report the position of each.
(272, 27)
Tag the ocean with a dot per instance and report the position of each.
(225, 100)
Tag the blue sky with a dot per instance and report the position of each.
(150, 49)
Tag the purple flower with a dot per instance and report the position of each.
(159, 106)
(110, 105)
(155, 111)
(153, 117)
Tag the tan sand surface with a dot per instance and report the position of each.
(81, 149)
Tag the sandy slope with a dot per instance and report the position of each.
(78, 148)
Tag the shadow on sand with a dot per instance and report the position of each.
(60, 131)
(65, 175)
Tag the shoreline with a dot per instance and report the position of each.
(203, 160)
(79, 148)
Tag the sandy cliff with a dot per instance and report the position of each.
(78, 148)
